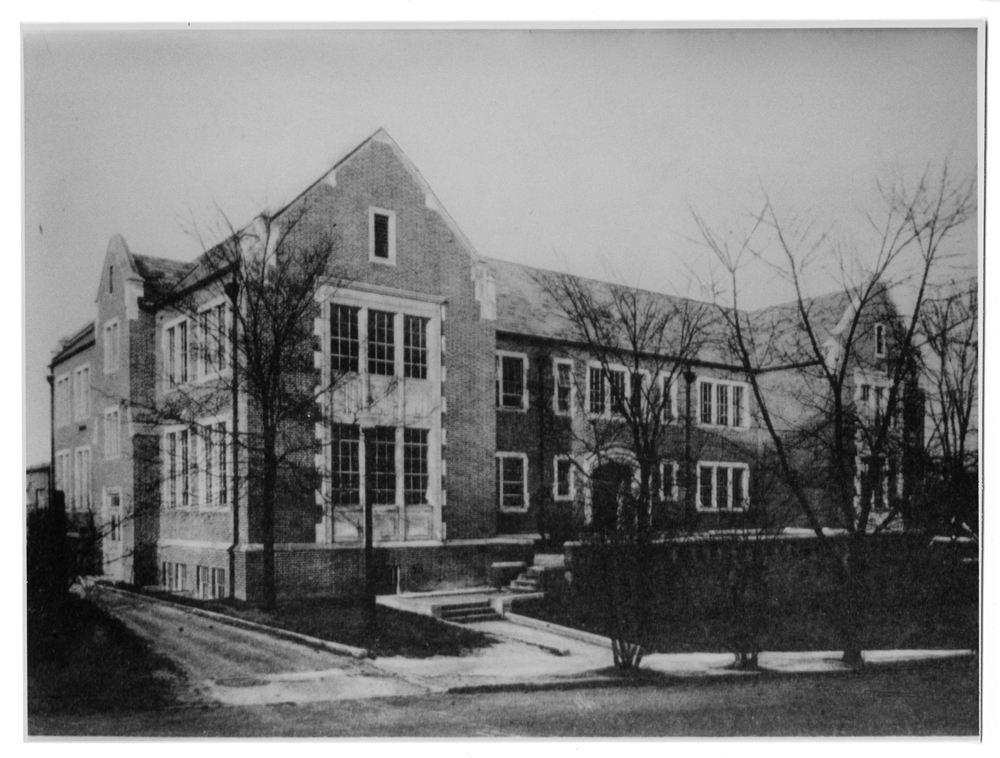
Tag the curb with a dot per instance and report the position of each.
(336, 648)
(500, 636)
(563, 631)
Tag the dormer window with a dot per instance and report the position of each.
(880, 340)
(382, 236)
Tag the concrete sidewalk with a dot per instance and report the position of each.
(524, 656)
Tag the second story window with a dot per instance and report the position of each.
(344, 342)
(619, 396)
(414, 347)
(381, 343)
(64, 402)
(81, 393)
(563, 399)
(880, 340)
(177, 353)
(722, 403)
(511, 370)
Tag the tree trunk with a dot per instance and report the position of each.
(853, 607)
(269, 477)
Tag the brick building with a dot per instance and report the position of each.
(438, 369)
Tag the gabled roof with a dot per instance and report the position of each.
(787, 342)
(69, 346)
(160, 275)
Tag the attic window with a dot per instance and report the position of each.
(381, 236)
(111, 280)
(880, 340)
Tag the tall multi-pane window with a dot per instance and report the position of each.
(221, 446)
(81, 393)
(185, 467)
(208, 451)
(212, 323)
(64, 401)
(380, 464)
(414, 347)
(381, 343)
(510, 381)
(595, 385)
(512, 481)
(667, 398)
(112, 434)
(171, 469)
(182, 336)
(616, 385)
(81, 488)
(345, 468)
(722, 404)
(705, 480)
(344, 342)
(114, 516)
(171, 355)
(415, 471)
(722, 486)
(564, 386)
(737, 405)
(706, 403)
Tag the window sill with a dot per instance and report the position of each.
(702, 509)
(514, 510)
(512, 408)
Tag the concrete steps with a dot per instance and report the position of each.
(466, 613)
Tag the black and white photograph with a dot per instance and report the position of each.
(503, 381)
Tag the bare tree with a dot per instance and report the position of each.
(260, 350)
(829, 375)
(635, 345)
(949, 325)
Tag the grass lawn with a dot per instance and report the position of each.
(397, 632)
(81, 660)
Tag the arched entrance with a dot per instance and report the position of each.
(608, 482)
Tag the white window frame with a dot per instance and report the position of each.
(605, 372)
(668, 382)
(208, 425)
(82, 478)
(64, 473)
(730, 403)
(206, 369)
(391, 260)
(113, 512)
(81, 392)
(524, 482)
(555, 479)
(556, 363)
(729, 466)
(880, 340)
(501, 354)
(193, 478)
(675, 469)
(112, 433)
(112, 346)
(64, 400)
(178, 354)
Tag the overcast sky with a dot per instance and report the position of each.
(571, 150)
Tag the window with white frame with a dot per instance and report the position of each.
(380, 464)
(213, 464)
(111, 349)
(669, 472)
(173, 576)
(64, 401)
(723, 486)
(564, 485)
(179, 471)
(668, 397)
(889, 478)
(81, 392)
(512, 481)
(344, 342)
(381, 343)
(880, 340)
(611, 384)
(722, 403)
(81, 479)
(382, 236)
(415, 470)
(178, 353)
(112, 433)
(113, 515)
(872, 398)
(414, 347)
(345, 465)
(565, 390)
(64, 474)
(210, 583)
(213, 340)
(512, 380)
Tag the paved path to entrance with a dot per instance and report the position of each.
(243, 667)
